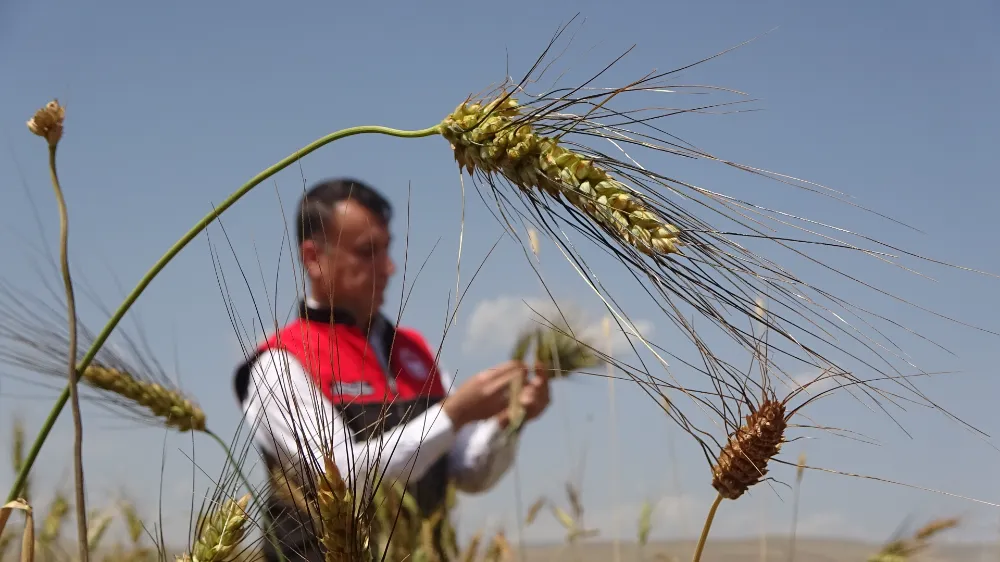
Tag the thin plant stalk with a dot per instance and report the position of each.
(606, 328)
(173, 251)
(799, 472)
(708, 526)
(81, 507)
(763, 529)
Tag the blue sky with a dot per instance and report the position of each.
(173, 106)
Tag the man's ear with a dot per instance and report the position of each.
(310, 251)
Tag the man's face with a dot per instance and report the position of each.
(353, 268)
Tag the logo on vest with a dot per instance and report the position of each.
(415, 366)
(351, 388)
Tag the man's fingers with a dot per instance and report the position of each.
(503, 386)
(508, 373)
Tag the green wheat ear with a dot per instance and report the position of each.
(222, 532)
(522, 345)
(489, 137)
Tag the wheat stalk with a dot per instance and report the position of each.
(48, 123)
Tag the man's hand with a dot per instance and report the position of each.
(535, 396)
(534, 399)
(484, 395)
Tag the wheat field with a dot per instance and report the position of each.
(557, 166)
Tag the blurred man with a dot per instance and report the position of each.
(382, 406)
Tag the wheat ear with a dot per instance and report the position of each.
(488, 137)
(344, 537)
(174, 408)
(904, 549)
(222, 532)
(743, 461)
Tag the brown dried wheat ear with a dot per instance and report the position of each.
(743, 461)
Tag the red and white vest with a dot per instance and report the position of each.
(370, 399)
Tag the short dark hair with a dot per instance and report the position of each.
(317, 204)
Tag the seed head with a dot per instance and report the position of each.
(556, 348)
(223, 532)
(743, 461)
(48, 122)
(336, 510)
(176, 410)
(935, 527)
(54, 520)
(489, 138)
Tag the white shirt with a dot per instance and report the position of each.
(292, 418)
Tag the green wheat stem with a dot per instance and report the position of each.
(173, 251)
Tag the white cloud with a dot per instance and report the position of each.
(494, 323)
